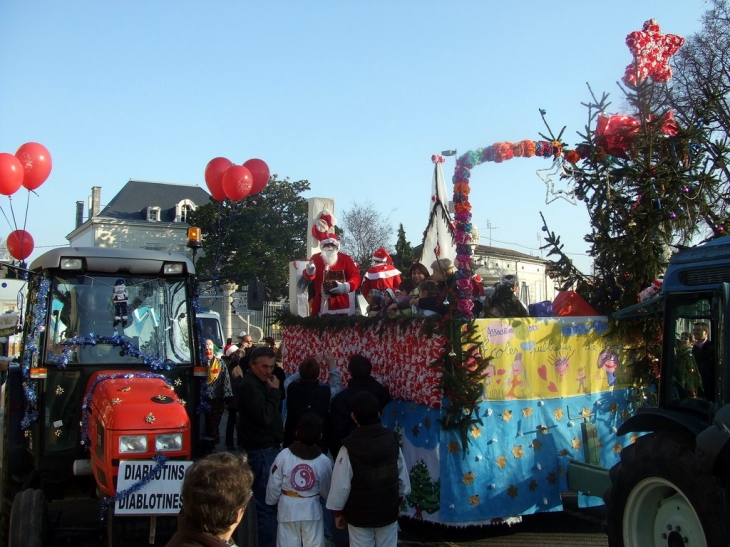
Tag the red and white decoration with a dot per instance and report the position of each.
(401, 358)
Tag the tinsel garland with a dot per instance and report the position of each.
(203, 405)
(86, 413)
(154, 362)
(30, 352)
(161, 460)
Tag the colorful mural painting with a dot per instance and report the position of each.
(546, 377)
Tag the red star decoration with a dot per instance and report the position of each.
(651, 50)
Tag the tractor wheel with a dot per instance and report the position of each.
(28, 519)
(659, 497)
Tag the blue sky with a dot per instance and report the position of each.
(353, 96)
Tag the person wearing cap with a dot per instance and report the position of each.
(382, 274)
(336, 297)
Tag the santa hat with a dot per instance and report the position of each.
(231, 350)
(381, 256)
(324, 225)
(331, 239)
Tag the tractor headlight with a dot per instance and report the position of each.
(168, 442)
(132, 443)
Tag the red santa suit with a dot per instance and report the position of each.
(382, 274)
(333, 304)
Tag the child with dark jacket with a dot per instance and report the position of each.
(361, 379)
(305, 393)
(369, 480)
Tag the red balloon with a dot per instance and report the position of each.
(259, 172)
(11, 174)
(20, 244)
(214, 177)
(237, 182)
(36, 161)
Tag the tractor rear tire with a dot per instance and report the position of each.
(29, 519)
(659, 496)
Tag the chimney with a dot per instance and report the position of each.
(79, 213)
(95, 201)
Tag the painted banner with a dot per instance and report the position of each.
(546, 378)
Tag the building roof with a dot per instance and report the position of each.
(485, 250)
(499, 252)
(133, 199)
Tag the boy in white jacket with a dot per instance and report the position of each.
(299, 476)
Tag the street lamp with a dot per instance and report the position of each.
(195, 240)
(449, 152)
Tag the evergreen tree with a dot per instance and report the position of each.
(403, 252)
(642, 179)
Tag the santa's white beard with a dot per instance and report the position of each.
(329, 256)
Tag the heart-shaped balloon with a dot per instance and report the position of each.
(237, 182)
(259, 172)
(36, 162)
(214, 172)
(11, 174)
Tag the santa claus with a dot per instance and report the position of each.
(336, 278)
(382, 274)
(324, 226)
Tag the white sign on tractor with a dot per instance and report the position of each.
(160, 496)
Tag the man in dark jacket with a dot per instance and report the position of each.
(360, 380)
(260, 432)
(369, 480)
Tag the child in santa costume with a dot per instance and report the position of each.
(300, 475)
(382, 274)
(338, 298)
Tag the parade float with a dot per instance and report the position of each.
(489, 411)
(492, 412)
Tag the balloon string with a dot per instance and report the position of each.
(27, 203)
(6, 216)
(12, 212)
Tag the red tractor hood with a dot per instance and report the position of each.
(135, 402)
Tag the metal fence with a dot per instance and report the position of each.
(264, 319)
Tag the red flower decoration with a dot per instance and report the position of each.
(436, 158)
(651, 50)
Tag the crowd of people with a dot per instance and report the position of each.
(320, 461)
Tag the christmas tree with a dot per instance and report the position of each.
(641, 175)
(425, 493)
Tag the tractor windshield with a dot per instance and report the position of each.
(692, 364)
(97, 319)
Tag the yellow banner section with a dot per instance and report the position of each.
(550, 357)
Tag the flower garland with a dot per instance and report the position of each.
(203, 405)
(498, 153)
(161, 460)
(86, 413)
